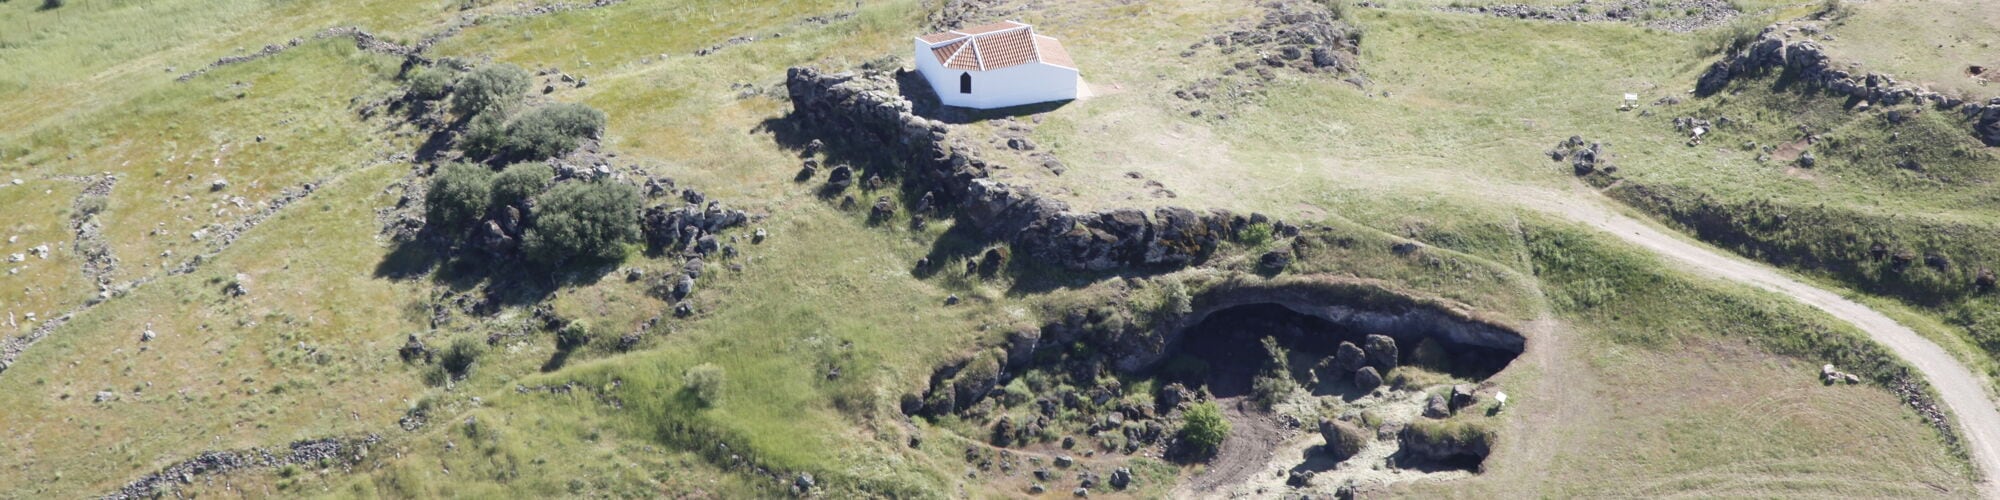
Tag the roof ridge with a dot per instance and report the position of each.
(978, 55)
(1036, 48)
(954, 54)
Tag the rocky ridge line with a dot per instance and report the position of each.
(1809, 63)
(868, 112)
(1706, 13)
(343, 452)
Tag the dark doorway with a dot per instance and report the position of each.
(965, 83)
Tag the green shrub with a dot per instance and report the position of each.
(1834, 10)
(459, 357)
(705, 381)
(552, 131)
(1735, 36)
(1203, 429)
(1255, 235)
(540, 134)
(1277, 359)
(429, 83)
(1016, 392)
(573, 335)
(458, 196)
(1339, 8)
(485, 137)
(1268, 390)
(583, 221)
(520, 183)
(491, 87)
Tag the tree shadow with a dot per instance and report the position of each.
(556, 361)
(508, 280)
(407, 261)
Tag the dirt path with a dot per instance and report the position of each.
(1958, 387)
(1252, 441)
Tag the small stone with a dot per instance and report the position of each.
(1065, 460)
(218, 185)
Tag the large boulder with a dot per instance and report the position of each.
(1367, 379)
(1436, 407)
(1347, 358)
(1447, 441)
(1463, 396)
(1381, 352)
(1343, 439)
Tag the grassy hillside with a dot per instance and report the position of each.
(1635, 371)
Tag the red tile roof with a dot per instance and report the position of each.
(994, 46)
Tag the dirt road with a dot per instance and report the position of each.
(1962, 391)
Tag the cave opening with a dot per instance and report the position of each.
(1225, 350)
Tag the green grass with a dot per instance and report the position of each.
(1929, 43)
(1474, 102)
(46, 287)
(223, 373)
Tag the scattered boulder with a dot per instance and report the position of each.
(237, 287)
(1121, 478)
(841, 178)
(1275, 261)
(1381, 352)
(1003, 432)
(1343, 439)
(883, 210)
(1463, 396)
(412, 350)
(1299, 478)
(1347, 358)
(1585, 158)
(1367, 379)
(1436, 407)
(1172, 395)
(1830, 376)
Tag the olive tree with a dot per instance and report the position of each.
(583, 221)
(458, 196)
(491, 87)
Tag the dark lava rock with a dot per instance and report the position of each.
(1381, 352)
(1367, 379)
